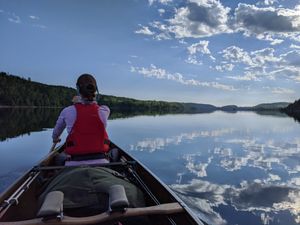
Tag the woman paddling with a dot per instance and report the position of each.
(85, 120)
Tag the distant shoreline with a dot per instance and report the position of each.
(224, 109)
(22, 106)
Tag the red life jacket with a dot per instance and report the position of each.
(88, 134)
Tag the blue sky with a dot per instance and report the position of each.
(206, 51)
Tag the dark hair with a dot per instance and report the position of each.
(87, 86)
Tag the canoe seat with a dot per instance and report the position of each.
(117, 198)
(52, 207)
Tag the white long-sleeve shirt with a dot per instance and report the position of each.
(68, 116)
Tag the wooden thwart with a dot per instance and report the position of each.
(163, 209)
(44, 168)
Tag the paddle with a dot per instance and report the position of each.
(53, 147)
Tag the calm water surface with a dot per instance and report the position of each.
(240, 168)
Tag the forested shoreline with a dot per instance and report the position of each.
(293, 110)
(16, 91)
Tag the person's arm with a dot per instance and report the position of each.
(59, 127)
(104, 112)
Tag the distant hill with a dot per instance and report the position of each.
(196, 107)
(229, 108)
(271, 106)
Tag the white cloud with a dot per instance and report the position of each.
(192, 59)
(164, 2)
(263, 57)
(144, 30)
(270, 2)
(295, 37)
(267, 23)
(163, 33)
(273, 177)
(163, 36)
(268, 37)
(159, 73)
(295, 46)
(287, 72)
(205, 18)
(279, 90)
(259, 20)
(161, 11)
(200, 18)
(291, 58)
(262, 63)
(237, 55)
(267, 2)
(201, 46)
(224, 67)
(34, 17)
(248, 76)
(14, 18)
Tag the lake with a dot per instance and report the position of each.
(229, 168)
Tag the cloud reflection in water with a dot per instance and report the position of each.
(154, 144)
(203, 196)
(251, 171)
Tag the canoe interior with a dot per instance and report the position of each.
(28, 205)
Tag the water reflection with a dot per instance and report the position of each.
(153, 144)
(18, 121)
(240, 168)
(241, 173)
(258, 198)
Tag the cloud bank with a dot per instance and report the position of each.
(160, 73)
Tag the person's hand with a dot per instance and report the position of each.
(56, 140)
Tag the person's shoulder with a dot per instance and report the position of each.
(104, 108)
(68, 109)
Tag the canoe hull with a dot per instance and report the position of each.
(28, 187)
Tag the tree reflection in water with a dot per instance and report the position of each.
(18, 121)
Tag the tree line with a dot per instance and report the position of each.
(19, 91)
(293, 110)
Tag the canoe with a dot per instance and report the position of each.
(19, 203)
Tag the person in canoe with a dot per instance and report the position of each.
(87, 141)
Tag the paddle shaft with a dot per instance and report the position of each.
(53, 147)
